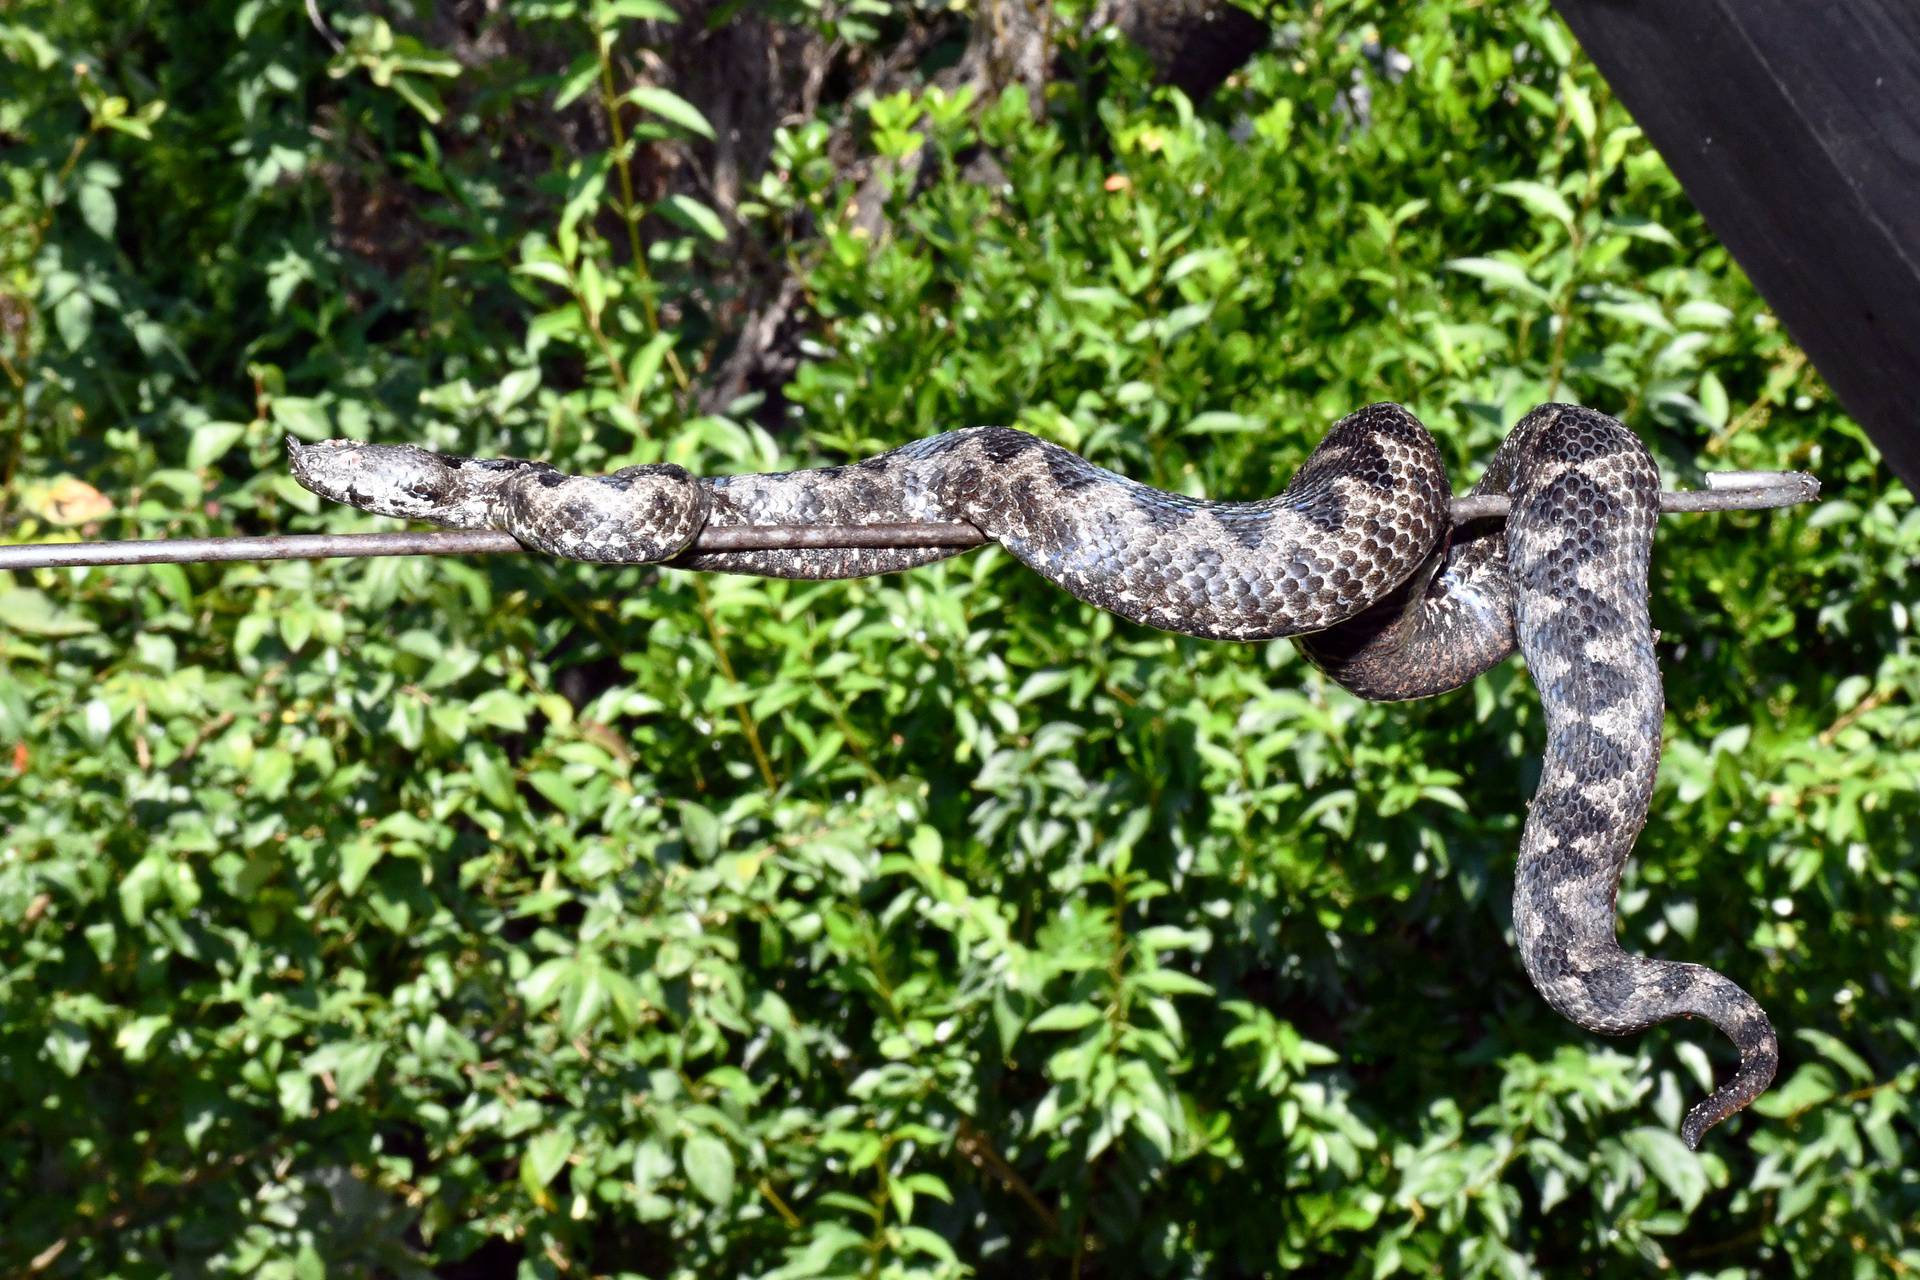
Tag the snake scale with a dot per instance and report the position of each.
(1357, 560)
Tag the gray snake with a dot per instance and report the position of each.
(1356, 559)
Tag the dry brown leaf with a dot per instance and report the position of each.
(66, 501)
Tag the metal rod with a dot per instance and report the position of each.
(315, 546)
(1726, 491)
(797, 537)
(458, 542)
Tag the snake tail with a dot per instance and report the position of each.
(1579, 541)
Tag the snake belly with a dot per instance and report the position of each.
(1356, 560)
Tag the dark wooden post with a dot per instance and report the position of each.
(1795, 127)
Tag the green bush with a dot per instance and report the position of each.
(415, 916)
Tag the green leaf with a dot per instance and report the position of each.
(1040, 684)
(73, 317)
(693, 215)
(1642, 312)
(136, 1037)
(671, 107)
(585, 999)
(931, 1243)
(1167, 982)
(646, 364)
(702, 831)
(580, 77)
(557, 789)
(1502, 276)
(1538, 198)
(551, 272)
(542, 987)
(546, 1155)
(1796, 1198)
(501, 709)
(606, 12)
(1553, 38)
(358, 856)
(212, 440)
(1579, 106)
(301, 416)
(67, 1046)
(138, 887)
(1215, 422)
(1713, 400)
(351, 1064)
(97, 208)
(514, 388)
(1066, 1017)
(1702, 313)
(25, 611)
(1641, 228)
(1670, 1161)
(709, 1166)
(1834, 1050)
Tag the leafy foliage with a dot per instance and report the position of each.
(394, 917)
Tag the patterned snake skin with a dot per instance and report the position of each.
(1355, 559)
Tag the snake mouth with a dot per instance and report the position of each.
(306, 459)
(299, 462)
(325, 468)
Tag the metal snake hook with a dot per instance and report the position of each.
(1725, 491)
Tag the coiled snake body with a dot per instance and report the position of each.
(1356, 560)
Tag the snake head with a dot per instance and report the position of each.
(386, 479)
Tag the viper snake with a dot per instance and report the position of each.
(1358, 560)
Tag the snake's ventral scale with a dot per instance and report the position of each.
(1360, 560)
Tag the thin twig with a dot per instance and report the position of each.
(630, 214)
(1873, 701)
(725, 663)
(975, 1146)
(320, 25)
(1727, 491)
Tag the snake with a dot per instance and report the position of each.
(1357, 559)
